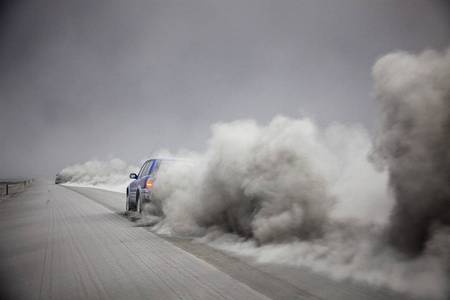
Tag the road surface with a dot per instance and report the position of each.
(76, 243)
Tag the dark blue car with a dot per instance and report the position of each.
(139, 191)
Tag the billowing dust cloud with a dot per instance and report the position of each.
(275, 183)
(414, 144)
(292, 192)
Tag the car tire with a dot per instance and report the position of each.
(127, 203)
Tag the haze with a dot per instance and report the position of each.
(82, 79)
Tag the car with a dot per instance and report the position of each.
(60, 178)
(139, 191)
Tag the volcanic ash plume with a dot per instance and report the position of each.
(414, 145)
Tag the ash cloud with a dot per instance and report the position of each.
(274, 183)
(291, 192)
(414, 144)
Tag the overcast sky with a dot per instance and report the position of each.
(83, 79)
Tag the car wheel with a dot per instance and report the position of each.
(127, 203)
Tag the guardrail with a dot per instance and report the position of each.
(13, 187)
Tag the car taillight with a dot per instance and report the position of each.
(149, 184)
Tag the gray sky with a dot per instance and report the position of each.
(86, 79)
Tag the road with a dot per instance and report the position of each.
(76, 243)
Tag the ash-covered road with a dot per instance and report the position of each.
(75, 243)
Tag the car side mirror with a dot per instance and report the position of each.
(133, 176)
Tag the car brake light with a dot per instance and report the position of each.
(149, 184)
